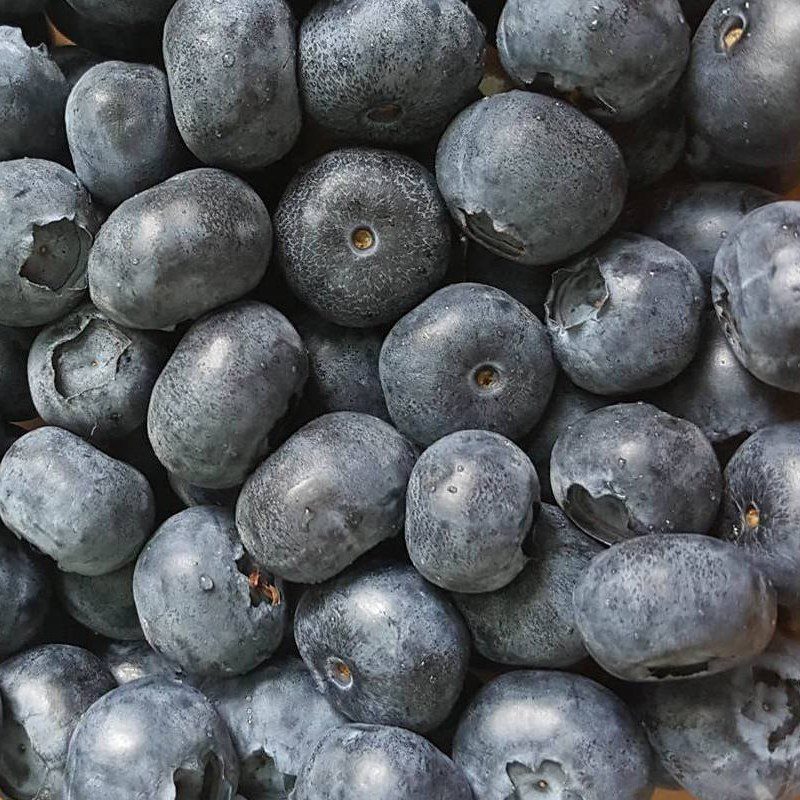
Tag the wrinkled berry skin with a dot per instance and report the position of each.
(84, 509)
(667, 606)
(232, 378)
(191, 495)
(330, 493)
(45, 691)
(195, 603)
(471, 502)
(362, 236)
(626, 317)
(754, 289)
(379, 762)
(276, 716)
(468, 357)
(403, 666)
(173, 252)
(530, 621)
(436, 54)
(15, 395)
(231, 71)
(733, 736)
(630, 469)
(120, 129)
(177, 744)
(565, 730)
(510, 161)
(132, 661)
(47, 224)
(93, 377)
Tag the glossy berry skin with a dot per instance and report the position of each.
(630, 469)
(45, 691)
(626, 317)
(468, 357)
(436, 54)
(530, 622)
(404, 666)
(231, 70)
(754, 293)
(47, 225)
(330, 493)
(15, 396)
(92, 376)
(471, 502)
(173, 252)
(512, 160)
(563, 735)
(362, 236)
(176, 744)
(379, 762)
(276, 716)
(199, 602)
(84, 509)
(235, 374)
(134, 660)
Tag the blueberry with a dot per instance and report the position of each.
(468, 357)
(121, 14)
(435, 50)
(552, 734)
(384, 646)
(472, 499)
(45, 691)
(530, 621)
(231, 379)
(529, 177)
(134, 660)
(93, 377)
(88, 511)
(47, 224)
(754, 289)
(174, 743)
(630, 469)
(276, 716)
(200, 601)
(8, 435)
(15, 395)
(192, 495)
(379, 762)
(74, 62)
(626, 317)
(231, 70)
(362, 236)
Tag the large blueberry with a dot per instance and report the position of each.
(134, 660)
(631, 469)
(529, 177)
(15, 396)
(468, 357)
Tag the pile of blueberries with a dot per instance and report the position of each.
(411, 399)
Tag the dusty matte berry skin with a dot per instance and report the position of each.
(565, 730)
(176, 745)
(47, 224)
(530, 621)
(402, 666)
(231, 70)
(232, 378)
(754, 289)
(733, 736)
(197, 601)
(510, 162)
(173, 252)
(132, 661)
(626, 317)
(15, 395)
(379, 762)
(330, 493)
(471, 502)
(191, 495)
(663, 607)
(93, 377)
(45, 691)
(276, 716)
(630, 469)
(84, 509)
(435, 50)
(468, 357)
(121, 132)
(362, 236)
